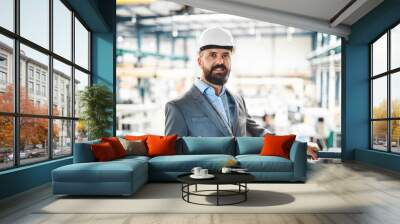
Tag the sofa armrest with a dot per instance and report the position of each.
(83, 152)
(298, 155)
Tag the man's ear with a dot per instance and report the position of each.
(199, 60)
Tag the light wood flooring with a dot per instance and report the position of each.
(377, 188)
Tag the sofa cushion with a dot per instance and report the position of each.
(185, 163)
(112, 171)
(257, 163)
(249, 145)
(131, 158)
(207, 145)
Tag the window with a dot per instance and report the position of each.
(81, 81)
(3, 61)
(3, 78)
(30, 87)
(62, 74)
(41, 83)
(38, 89)
(81, 45)
(385, 95)
(6, 71)
(7, 14)
(37, 75)
(3, 72)
(33, 149)
(30, 72)
(43, 90)
(62, 29)
(34, 21)
(6, 142)
(126, 127)
(62, 140)
(55, 95)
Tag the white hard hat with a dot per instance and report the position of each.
(215, 37)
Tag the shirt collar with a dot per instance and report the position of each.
(205, 88)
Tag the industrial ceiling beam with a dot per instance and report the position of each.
(346, 12)
(268, 15)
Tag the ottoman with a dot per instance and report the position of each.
(119, 177)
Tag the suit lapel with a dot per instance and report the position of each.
(235, 113)
(209, 110)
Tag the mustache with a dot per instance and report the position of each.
(219, 66)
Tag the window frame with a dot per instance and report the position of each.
(388, 74)
(15, 68)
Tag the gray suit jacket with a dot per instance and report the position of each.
(193, 115)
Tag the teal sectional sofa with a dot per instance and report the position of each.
(125, 176)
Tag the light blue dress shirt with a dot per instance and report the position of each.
(220, 103)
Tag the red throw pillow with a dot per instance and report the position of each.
(103, 152)
(161, 145)
(275, 145)
(116, 145)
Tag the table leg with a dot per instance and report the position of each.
(245, 191)
(217, 194)
(188, 190)
(182, 188)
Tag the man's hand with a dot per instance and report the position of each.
(312, 149)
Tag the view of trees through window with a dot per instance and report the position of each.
(39, 81)
(385, 95)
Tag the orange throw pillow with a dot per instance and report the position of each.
(161, 145)
(103, 152)
(116, 145)
(277, 145)
(136, 138)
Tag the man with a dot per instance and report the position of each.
(208, 108)
(269, 122)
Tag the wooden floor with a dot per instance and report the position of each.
(377, 188)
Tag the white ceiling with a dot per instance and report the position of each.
(313, 15)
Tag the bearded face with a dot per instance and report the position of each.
(216, 65)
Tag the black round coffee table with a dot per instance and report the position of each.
(238, 179)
